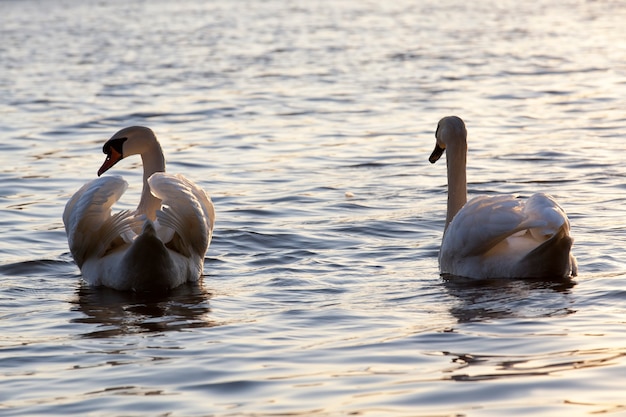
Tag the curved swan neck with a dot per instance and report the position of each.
(456, 162)
(153, 161)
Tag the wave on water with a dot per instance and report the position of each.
(36, 267)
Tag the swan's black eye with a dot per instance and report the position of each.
(437, 131)
(116, 144)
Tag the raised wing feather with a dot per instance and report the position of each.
(90, 228)
(548, 216)
(187, 210)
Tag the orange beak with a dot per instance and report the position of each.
(112, 158)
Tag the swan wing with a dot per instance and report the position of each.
(90, 228)
(187, 217)
(486, 221)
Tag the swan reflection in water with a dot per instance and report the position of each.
(122, 312)
(481, 300)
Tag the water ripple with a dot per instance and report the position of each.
(310, 126)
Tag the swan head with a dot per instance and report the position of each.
(450, 131)
(134, 140)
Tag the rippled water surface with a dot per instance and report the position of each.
(310, 124)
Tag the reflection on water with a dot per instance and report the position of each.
(118, 313)
(483, 367)
(502, 298)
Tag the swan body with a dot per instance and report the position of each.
(498, 236)
(156, 247)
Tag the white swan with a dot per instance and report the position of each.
(502, 236)
(161, 244)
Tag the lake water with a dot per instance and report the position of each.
(310, 124)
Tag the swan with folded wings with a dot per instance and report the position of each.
(498, 236)
(156, 247)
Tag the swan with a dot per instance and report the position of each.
(156, 247)
(498, 236)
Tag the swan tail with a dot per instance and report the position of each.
(551, 259)
(87, 216)
(187, 211)
(147, 264)
(549, 225)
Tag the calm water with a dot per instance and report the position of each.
(310, 124)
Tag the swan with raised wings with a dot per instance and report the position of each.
(156, 247)
(498, 236)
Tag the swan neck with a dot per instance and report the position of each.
(456, 160)
(153, 161)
